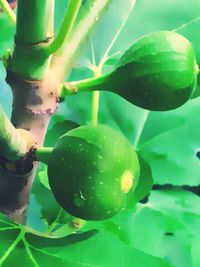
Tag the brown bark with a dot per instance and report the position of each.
(34, 102)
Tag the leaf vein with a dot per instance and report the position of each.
(28, 250)
(12, 247)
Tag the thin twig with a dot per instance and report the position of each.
(8, 10)
(67, 25)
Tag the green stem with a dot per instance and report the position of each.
(95, 107)
(91, 84)
(66, 27)
(95, 99)
(14, 143)
(35, 21)
(7, 9)
(43, 153)
(34, 32)
(89, 18)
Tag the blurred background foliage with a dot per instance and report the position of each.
(162, 229)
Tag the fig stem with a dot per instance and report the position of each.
(95, 107)
(67, 25)
(8, 11)
(91, 84)
(95, 99)
(42, 154)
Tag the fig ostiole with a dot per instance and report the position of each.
(92, 171)
(158, 72)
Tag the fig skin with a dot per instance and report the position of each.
(162, 67)
(92, 170)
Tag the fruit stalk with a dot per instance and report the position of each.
(91, 84)
(43, 154)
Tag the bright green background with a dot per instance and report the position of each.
(161, 232)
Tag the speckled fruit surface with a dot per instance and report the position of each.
(92, 171)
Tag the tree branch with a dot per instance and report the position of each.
(8, 10)
(66, 27)
(14, 143)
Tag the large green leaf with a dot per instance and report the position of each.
(169, 222)
(58, 130)
(145, 182)
(172, 154)
(21, 244)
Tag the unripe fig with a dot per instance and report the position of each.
(91, 170)
(158, 72)
(163, 69)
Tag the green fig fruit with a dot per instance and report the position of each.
(158, 72)
(91, 170)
